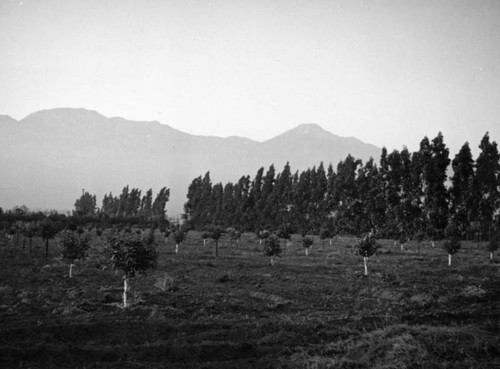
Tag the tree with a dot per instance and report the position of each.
(272, 247)
(132, 254)
(487, 181)
(85, 205)
(366, 247)
(75, 247)
(234, 234)
(216, 233)
(47, 230)
(493, 243)
(307, 242)
(179, 237)
(204, 235)
(284, 232)
(263, 235)
(29, 230)
(452, 244)
(461, 190)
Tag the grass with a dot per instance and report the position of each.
(319, 311)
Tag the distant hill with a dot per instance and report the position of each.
(48, 157)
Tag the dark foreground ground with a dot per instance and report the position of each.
(237, 311)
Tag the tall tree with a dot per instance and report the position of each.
(461, 190)
(487, 183)
(85, 205)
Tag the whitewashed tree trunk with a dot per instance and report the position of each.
(307, 251)
(366, 266)
(71, 270)
(449, 259)
(402, 246)
(125, 290)
(330, 241)
(491, 255)
(204, 242)
(176, 248)
(433, 244)
(272, 261)
(260, 241)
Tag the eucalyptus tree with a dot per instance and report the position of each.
(487, 183)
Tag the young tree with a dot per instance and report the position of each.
(272, 247)
(216, 233)
(493, 243)
(284, 232)
(204, 236)
(234, 234)
(47, 230)
(263, 235)
(131, 253)
(75, 247)
(307, 242)
(452, 245)
(179, 237)
(29, 230)
(366, 247)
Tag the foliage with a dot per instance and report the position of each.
(215, 232)
(263, 234)
(272, 246)
(179, 236)
(130, 253)
(307, 242)
(74, 246)
(452, 245)
(233, 233)
(367, 246)
(494, 242)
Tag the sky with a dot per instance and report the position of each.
(387, 72)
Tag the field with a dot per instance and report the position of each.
(236, 310)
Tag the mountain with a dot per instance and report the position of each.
(48, 157)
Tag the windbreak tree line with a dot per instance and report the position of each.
(129, 206)
(406, 195)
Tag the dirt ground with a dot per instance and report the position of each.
(238, 311)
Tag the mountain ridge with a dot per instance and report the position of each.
(50, 155)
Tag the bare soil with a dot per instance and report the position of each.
(238, 311)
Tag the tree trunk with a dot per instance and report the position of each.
(307, 251)
(491, 255)
(71, 270)
(366, 266)
(433, 244)
(449, 259)
(330, 241)
(402, 246)
(125, 290)
(46, 250)
(204, 242)
(176, 248)
(272, 261)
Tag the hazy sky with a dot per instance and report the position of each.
(387, 72)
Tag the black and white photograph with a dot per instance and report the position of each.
(195, 184)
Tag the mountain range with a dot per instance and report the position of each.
(48, 157)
